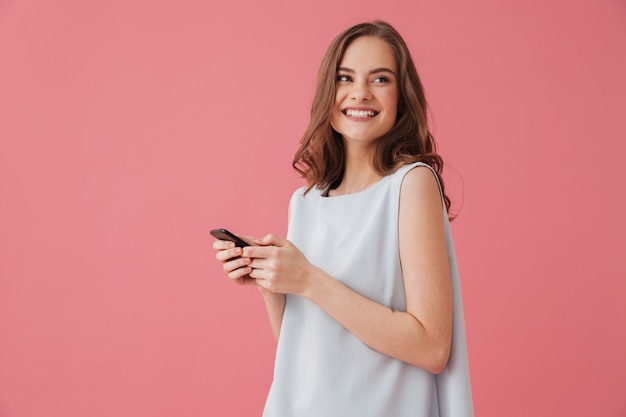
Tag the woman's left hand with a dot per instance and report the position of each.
(279, 266)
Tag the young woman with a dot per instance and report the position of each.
(363, 295)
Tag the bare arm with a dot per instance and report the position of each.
(421, 335)
(275, 305)
(237, 268)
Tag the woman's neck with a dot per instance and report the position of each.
(358, 174)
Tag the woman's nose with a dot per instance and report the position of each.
(360, 92)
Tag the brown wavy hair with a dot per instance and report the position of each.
(321, 156)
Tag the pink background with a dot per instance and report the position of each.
(128, 129)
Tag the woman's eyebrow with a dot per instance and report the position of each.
(375, 70)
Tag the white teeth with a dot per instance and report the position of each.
(360, 114)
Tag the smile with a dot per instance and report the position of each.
(360, 114)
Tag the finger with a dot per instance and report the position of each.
(222, 244)
(261, 274)
(262, 252)
(271, 240)
(225, 255)
(262, 283)
(261, 263)
(240, 273)
(234, 264)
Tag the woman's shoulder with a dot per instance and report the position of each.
(302, 192)
(419, 184)
(416, 171)
(420, 176)
(406, 168)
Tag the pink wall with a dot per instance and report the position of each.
(128, 129)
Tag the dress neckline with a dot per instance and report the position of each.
(372, 186)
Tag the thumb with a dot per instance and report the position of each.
(270, 240)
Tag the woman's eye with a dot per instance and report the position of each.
(381, 79)
(343, 77)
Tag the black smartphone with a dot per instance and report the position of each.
(223, 234)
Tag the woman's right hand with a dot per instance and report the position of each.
(236, 267)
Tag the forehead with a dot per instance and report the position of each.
(367, 52)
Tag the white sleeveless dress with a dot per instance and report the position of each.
(323, 370)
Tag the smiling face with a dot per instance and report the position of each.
(366, 100)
